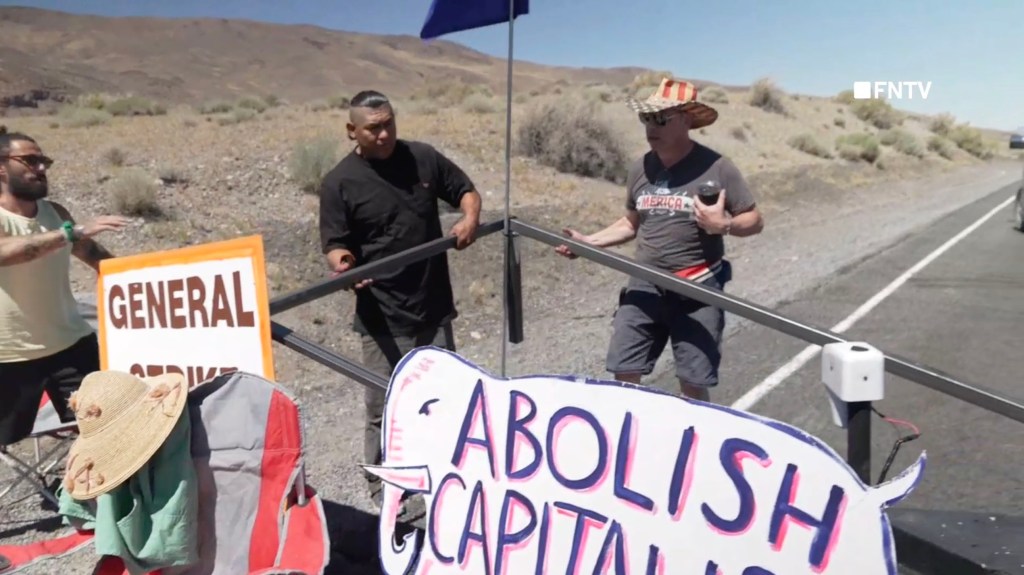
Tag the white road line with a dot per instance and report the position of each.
(759, 391)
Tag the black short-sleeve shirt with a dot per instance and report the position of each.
(378, 208)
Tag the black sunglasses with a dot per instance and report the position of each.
(658, 119)
(33, 161)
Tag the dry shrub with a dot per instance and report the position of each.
(479, 104)
(133, 193)
(215, 107)
(738, 133)
(839, 122)
(647, 80)
(172, 175)
(845, 97)
(902, 141)
(311, 160)
(971, 141)
(572, 138)
(941, 146)
(81, 117)
(339, 102)
(237, 116)
(135, 106)
(808, 144)
(765, 95)
(129, 105)
(450, 93)
(115, 156)
(713, 95)
(599, 93)
(942, 124)
(876, 112)
(857, 147)
(258, 105)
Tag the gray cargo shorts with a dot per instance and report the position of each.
(648, 317)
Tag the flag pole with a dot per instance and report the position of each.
(508, 191)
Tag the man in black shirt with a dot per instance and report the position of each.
(381, 199)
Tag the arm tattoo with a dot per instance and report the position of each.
(91, 252)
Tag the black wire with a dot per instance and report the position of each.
(895, 447)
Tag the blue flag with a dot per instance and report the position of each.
(447, 16)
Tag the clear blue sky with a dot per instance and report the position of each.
(971, 51)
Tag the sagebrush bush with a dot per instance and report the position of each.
(237, 116)
(764, 95)
(311, 160)
(845, 97)
(807, 144)
(258, 105)
(339, 102)
(942, 124)
(479, 104)
(572, 138)
(713, 95)
(115, 156)
(120, 105)
(877, 112)
(856, 147)
(971, 141)
(941, 146)
(134, 106)
(450, 92)
(82, 117)
(133, 193)
(215, 107)
(902, 141)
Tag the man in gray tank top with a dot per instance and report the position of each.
(682, 199)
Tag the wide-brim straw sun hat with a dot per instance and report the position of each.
(676, 94)
(122, 421)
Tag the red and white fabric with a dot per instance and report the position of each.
(247, 446)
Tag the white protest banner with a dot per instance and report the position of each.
(549, 474)
(200, 311)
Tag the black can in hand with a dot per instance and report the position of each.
(708, 192)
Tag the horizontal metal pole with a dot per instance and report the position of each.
(285, 302)
(352, 369)
(717, 298)
(925, 376)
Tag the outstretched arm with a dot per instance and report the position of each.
(88, 250)
(620, 232)
(21, 249)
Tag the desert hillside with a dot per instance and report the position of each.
(194, 60)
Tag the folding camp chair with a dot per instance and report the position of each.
(257, 515)
(47, 425)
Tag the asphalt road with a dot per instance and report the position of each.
(961, 314)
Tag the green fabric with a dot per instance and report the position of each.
(151, 520)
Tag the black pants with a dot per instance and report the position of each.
(22, 384)
(382, 354)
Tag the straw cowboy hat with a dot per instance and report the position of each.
(122, 421)
(673, 93)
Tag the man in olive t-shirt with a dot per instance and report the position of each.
(679, 233)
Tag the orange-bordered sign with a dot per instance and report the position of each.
(200, 310)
